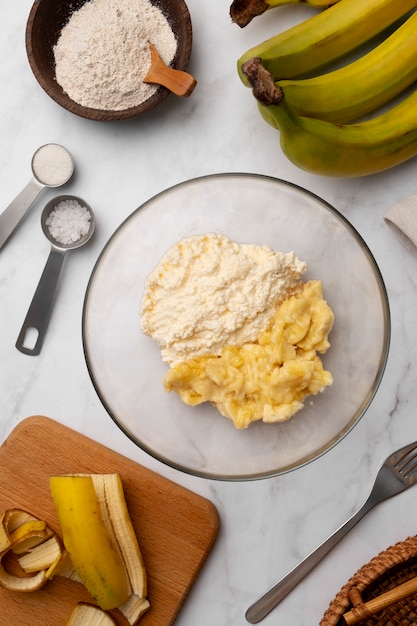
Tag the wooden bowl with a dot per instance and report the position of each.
(44, 25)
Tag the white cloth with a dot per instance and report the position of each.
(402, 219)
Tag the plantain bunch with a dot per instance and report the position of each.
(338, 113)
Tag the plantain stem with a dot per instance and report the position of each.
(262, 82)
(243, 11)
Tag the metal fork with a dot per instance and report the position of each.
(398, 473)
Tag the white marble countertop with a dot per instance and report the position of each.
(267, 526)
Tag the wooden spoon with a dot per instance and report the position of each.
(177, 81)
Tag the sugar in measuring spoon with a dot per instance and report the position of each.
(52, 166)
(68, 223)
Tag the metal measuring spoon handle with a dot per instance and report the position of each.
(52, 166)
(17, 209)
(40, 309)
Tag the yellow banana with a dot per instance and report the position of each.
(87, 540)
(325, 37)
(347, 150)
(243, 11)
(362, 86)
(353, 90)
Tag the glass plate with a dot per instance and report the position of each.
(126, 368)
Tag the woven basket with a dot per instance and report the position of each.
(385, 572)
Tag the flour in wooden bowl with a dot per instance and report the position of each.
(102, 54)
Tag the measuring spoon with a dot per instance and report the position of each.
(40, 309)
(52, 166)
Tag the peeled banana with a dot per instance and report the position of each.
(325, 37)
(243, 11)
(347, 150)
(101, 542)
(361, 86)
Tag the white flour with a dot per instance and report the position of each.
(208, 291)
(102, 54)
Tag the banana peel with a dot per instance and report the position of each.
(43, 556)
(134, 608)
(12, 522)
(112, 501)
(100, 539)
(27, 546)
(99, 549)
(92, 551)
(85, 614)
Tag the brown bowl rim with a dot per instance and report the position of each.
(57, 94)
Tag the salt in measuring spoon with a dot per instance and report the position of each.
(40, 309)
(52, 166)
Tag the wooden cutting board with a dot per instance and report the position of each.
(176, 528)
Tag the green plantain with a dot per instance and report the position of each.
(346, 150)
(325, 37)
(243, 11)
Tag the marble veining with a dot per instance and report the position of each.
(267, 526)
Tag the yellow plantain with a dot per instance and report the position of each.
(352, 91)
(361, 86)
(325, 37)
(243, 11)
(347, 150)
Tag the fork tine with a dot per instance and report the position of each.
(406, 464)
(409, 468)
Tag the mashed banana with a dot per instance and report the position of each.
(238, 327)
(267, 379)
